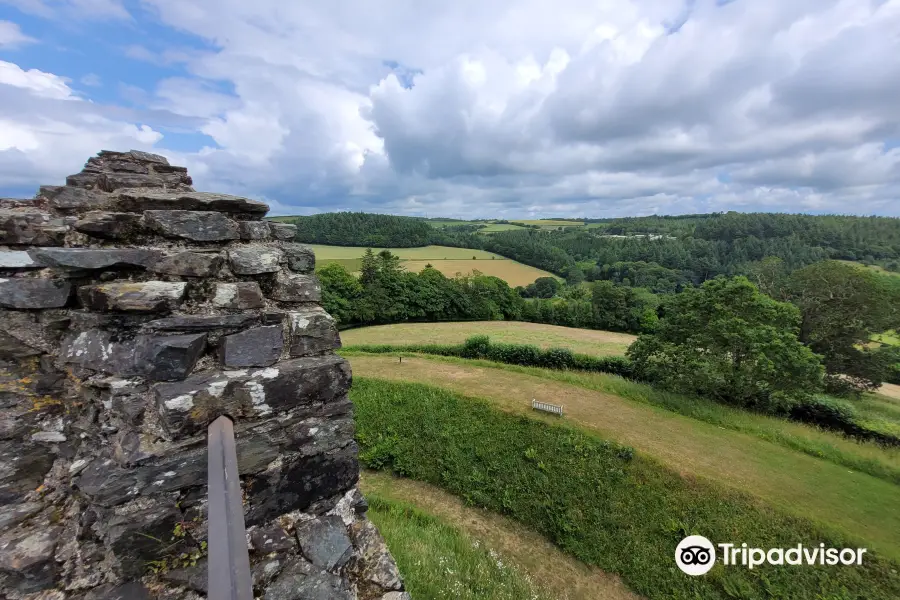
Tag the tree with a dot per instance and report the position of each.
(368, 270)
(623, 308)
(340, 289)
(727, 341)
(842, 307)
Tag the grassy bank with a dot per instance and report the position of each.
(856, 503)
(595, 499)
(438, 561)
(866, 457)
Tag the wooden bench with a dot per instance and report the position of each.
(550, 408)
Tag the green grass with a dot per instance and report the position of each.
(584, 341)
(865, 457)
(597, 500)
(439, 562)
(544, 223)
(495, 227)
(891, 338)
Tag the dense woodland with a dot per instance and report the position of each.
(629, 274)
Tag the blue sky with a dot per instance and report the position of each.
(471, 109)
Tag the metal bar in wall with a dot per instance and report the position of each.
(229, 561)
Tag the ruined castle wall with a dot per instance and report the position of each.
(133, 312)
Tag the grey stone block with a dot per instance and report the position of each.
(189, 264)
(108, 225)
(312, 331)
(196, 226)
(254, 230)
(324, 542)
(254, 260)
(255, 347)
(95, 258)
(140, 200)
(283, 231)
(300, 258)
(24, 293)
(242, 295)
(147, 296)
(297, 288)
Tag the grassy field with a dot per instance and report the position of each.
(551, 570)
(495, 227)
(544, 223)
(438, 561)
(447, 260)
(856, 503)
(603, 503)
(584, 341)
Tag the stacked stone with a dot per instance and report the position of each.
(133, 312)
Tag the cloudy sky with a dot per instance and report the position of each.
(471, 108)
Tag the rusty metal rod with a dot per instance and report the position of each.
(229, 561)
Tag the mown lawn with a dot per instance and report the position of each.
(583, 341)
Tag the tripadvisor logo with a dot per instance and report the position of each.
(696, 555)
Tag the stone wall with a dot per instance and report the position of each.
(133, 312)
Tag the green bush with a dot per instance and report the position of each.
(595, 499)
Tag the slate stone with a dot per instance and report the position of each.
(66, 198)
(27, 558)
(253, 230)
(14, 514)
(324, 542)
(271, 539)
(255, 347)
(300, 258)
(397, 596)
(95, 258)
(84, 179)
(254, 260)
(283, 231)
(189, 264)
(301, 481)
(293, 572)
(188, 406)
(195, 578)
(134, 538)
(24, 465)
(17, 259)
(300, 581)
(24, 293)
(243, 295)
(141, 200)
(157, 168)
(191, 225)
(273, 318)
(203, 322)
(112, 181)
(297, 288)
(167, 358)
(147, 296)
(108, 225)
(132, 590)
(95, 349)
(149, 157)
(377, 564)
(122, 166)
(263, 572)
(31, 227)
(312, 331)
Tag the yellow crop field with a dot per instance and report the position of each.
(445, 259)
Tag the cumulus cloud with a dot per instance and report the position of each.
(515, 108)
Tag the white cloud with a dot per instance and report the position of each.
(11, 35)
(528, 107)
(79, 9)
(45, 85)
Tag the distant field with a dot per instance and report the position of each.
(549, 223)
(583, 341)
(495, 227)
(445, 259)
(451, 222)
